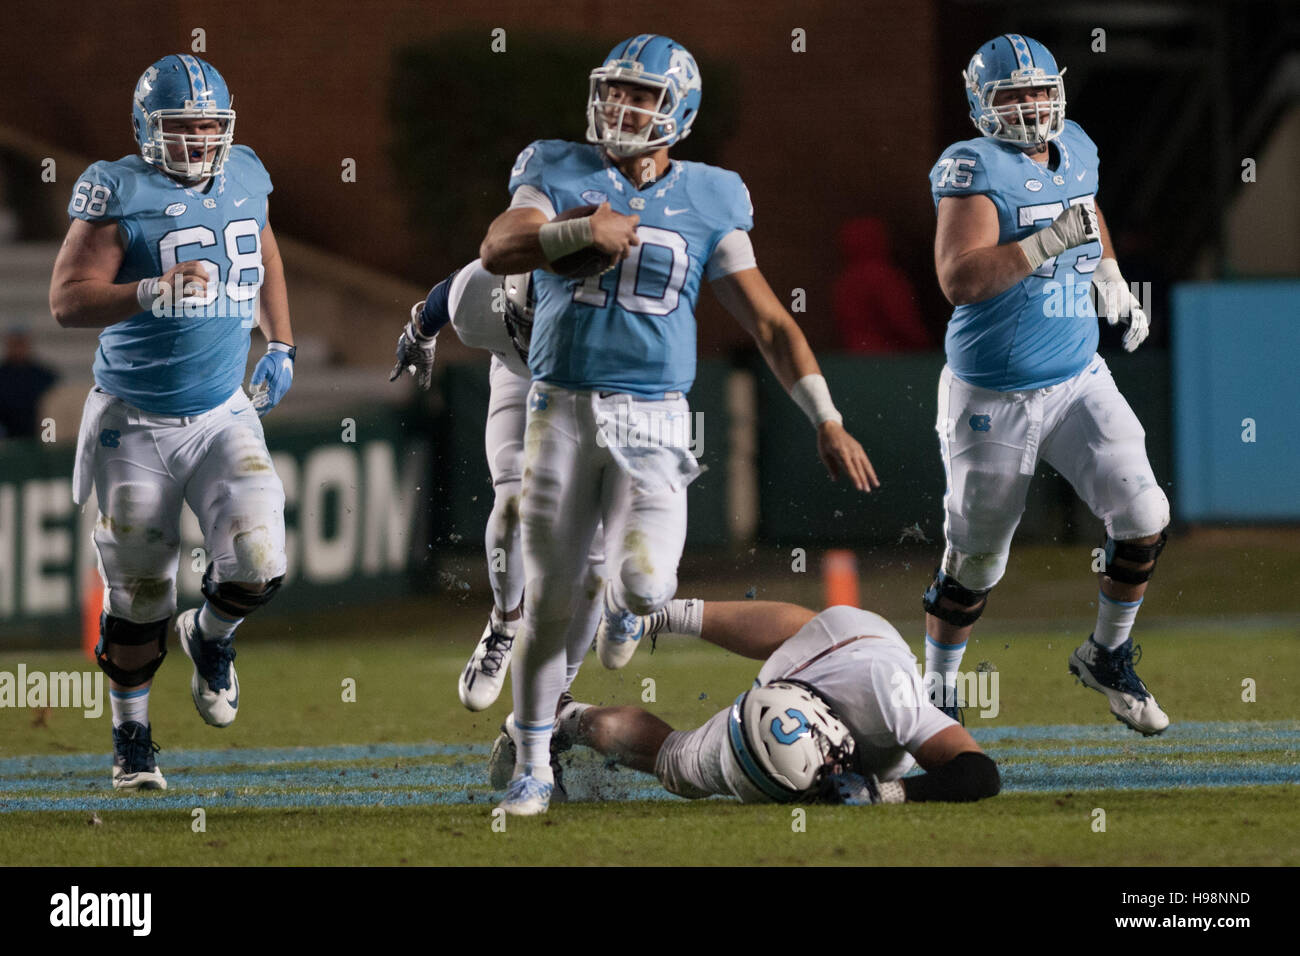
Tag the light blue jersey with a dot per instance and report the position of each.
(1042, 330)
(632, 329)
(193, 361)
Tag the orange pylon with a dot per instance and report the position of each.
(92, 605)
(840, 578)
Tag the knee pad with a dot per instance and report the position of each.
(644, 593)
(256, 556)
(119, 632)
(1145, 514)
(235, 600)
(944, 586)
(1132, 553)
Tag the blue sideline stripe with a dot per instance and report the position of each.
(1021, 778)
(1115, 732)
(64, 763)
(182, 799)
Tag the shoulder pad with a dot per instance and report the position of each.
(1080, 142)
(544, 155)
(244, 166)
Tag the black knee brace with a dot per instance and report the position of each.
(1134, 554)
(235, 600)
(124, 633)
(950, 588)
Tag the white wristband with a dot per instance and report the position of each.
(558, 239)
(813, 395)
(893, 792)
(146, 293)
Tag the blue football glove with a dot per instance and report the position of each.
(272, 377)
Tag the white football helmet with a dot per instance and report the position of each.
(786, 739)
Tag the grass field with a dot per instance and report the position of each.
(398, 776)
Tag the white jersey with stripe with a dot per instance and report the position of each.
(873, 684)
(476, 301)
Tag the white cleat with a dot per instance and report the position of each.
(1111, 673)
(501, 762)
(214, 685)
(481, 680)
(134, 765)
(528, 795)
(617, 635)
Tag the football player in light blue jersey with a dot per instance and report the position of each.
(612, 357)
(171, 254)
(1022, 252)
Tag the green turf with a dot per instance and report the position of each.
(404, 693)
(405, 689)
(1226, 826)
(405, 660)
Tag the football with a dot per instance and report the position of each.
(585, 262)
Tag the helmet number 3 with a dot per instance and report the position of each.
(794, 733)
(649, 281)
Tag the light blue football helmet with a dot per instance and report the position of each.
(1010, 62)
(177, 87)
(656, 62)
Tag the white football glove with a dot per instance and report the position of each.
(1115, 302)
(1074, 227)
(415, 351)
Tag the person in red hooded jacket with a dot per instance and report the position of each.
(875, 307)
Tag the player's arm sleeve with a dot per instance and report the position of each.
(733, 253)
(530, 197)
(732, 250)
(96, 195)
(960, 171)
(970, 775)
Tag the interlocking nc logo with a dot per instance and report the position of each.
(538, 402)
(109, 437)
(981, 423)
(682, 63)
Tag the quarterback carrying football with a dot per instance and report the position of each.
(837, 713)
(1018, 226)
(611, 345)
(169, 252)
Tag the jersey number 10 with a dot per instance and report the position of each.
(636, 284)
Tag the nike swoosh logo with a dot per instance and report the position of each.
(672, 212)
(240, 202)
(234, 701)
(1078, 177)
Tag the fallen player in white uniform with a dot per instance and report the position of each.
(838, 714)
